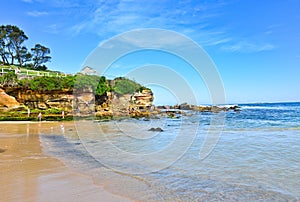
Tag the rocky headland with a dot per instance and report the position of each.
(15, 102)
(85, 96)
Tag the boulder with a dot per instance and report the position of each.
(185, 106)
(8, 102)
(156, 129)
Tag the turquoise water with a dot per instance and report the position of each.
(255, 158)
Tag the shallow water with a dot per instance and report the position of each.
(255, 158)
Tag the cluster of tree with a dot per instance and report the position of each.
(13, 50)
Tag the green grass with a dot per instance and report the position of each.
(49, 115)
(31, 72)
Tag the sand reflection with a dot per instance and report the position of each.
(27, 174)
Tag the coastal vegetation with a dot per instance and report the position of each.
(8, 79)
(99, 84)
(127, 86)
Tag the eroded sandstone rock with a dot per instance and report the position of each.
(8, 102)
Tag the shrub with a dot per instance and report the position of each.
(68, 82)
(53, 111)
(9, 79)
(125, 86)
(48, 83)
(45, 83)
(86, 81)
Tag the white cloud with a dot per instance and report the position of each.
(144, 38)
(246, 47)
(221, 41)
(272, 28)
(113, 17)
(54, 29)
(37, 13)
(197, 19)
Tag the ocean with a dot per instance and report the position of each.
(250, 155)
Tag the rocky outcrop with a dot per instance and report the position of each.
(235, 108)
(142, 100)
(141, 103)
(8, 102)
(79, 103)
(185, 106)
(113, 104)
(43, 100)
(208, 108)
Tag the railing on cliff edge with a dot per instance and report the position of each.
(28, 73)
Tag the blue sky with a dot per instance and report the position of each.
(255, 45)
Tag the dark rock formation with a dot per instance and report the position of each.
(185, 106)
(156, 129)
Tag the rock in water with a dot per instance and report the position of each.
(156, 129)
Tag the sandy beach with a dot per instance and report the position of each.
(28, 174)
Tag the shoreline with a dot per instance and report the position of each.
(32, 175)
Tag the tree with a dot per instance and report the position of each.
(40, 55)
(11, 43)
(25, 55)
(17, 38)
(3, 44)
(102, 86)
(13, 51)
(3, 52)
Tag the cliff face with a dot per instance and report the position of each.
(137, 104)
(141, 103)
(81, 103)
(42, 100)
(142, 100)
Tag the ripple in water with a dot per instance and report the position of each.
(256, 158)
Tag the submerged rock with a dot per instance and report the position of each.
(158, 129)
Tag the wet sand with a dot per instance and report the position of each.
(27, 174)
